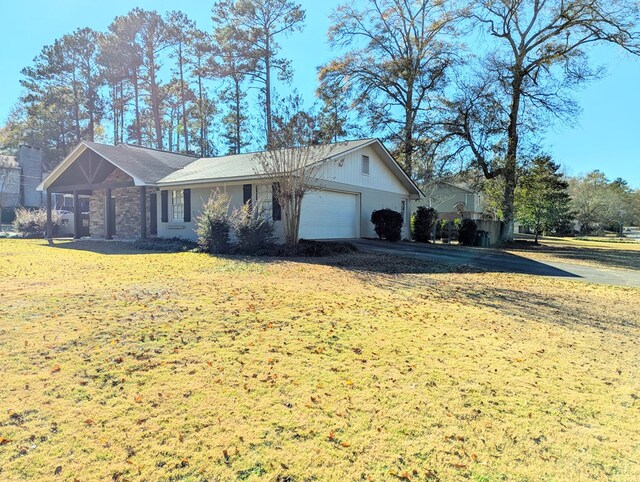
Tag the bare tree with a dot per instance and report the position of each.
(396, 67)
(294, 163)
(537, 55)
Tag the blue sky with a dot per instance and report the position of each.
(606, 135)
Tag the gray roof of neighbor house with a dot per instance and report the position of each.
(245, 165)
(147, 165)
(8, 162)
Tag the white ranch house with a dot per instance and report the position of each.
(138, 192)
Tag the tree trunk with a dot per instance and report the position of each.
(408, 131)
(155, 99)
(510, 166)
(136, 95)
(76, 106)
(238, 114)
(121, 111)
(267, 88)
(201, 114)
(182, 99)
(114, 110)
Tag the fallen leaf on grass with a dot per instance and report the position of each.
(55, 369)
(4, 441)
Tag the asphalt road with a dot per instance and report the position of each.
(501, 262)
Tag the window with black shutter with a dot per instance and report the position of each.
(277, 209)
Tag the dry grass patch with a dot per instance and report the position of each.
(120, 365)
(604, 254)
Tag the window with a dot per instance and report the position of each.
(177, 205)
(365, 165)
(403, 208)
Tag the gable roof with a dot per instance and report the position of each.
(146, 166)
(239, 166)
(152, 167)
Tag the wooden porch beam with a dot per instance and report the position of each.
(107, 218)
(49, 228)
(143, 212)
(91, 187)
(76, 215)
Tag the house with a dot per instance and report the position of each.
(135, 191)
(454, 201)
(19, 178)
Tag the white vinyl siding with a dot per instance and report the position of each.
(347, 170)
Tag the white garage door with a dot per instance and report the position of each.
(328, 215)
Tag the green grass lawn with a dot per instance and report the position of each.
(125, 365)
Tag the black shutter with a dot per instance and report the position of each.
(187, 205)
(153, 213)
(246, 194)
(277, 210)
(164, 201)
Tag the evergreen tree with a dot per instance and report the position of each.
(542, 199)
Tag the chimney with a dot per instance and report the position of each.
(30, 162)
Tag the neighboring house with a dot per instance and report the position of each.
(135, 191)
(19, 178)
(454, 201)
(9, 182)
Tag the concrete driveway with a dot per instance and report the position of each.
(490, 260)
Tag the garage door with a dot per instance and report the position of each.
(328, 215)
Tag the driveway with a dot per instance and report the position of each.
(490, 260)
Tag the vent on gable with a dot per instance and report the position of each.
(365, 165)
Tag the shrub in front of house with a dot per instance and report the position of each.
(422, 223)
(388, 224)
(467, 232)
(32, 223)
(253, 232)
(213, 225)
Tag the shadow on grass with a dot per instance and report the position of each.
(609, 257)
(557, 308)
(392, 259)
(98, 247)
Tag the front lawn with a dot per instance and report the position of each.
(121, 365)
(592, 252)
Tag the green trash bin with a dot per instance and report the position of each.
(487, 239)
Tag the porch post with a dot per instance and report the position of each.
(143, 212)
(49, 227)
(107, 203)
(76, 215)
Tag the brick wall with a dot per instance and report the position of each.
(127, 210)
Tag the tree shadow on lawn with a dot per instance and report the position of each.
(609, 257)
(555, 307)
(358, 261)
(114, 247)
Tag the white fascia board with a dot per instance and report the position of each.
(60, 168)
